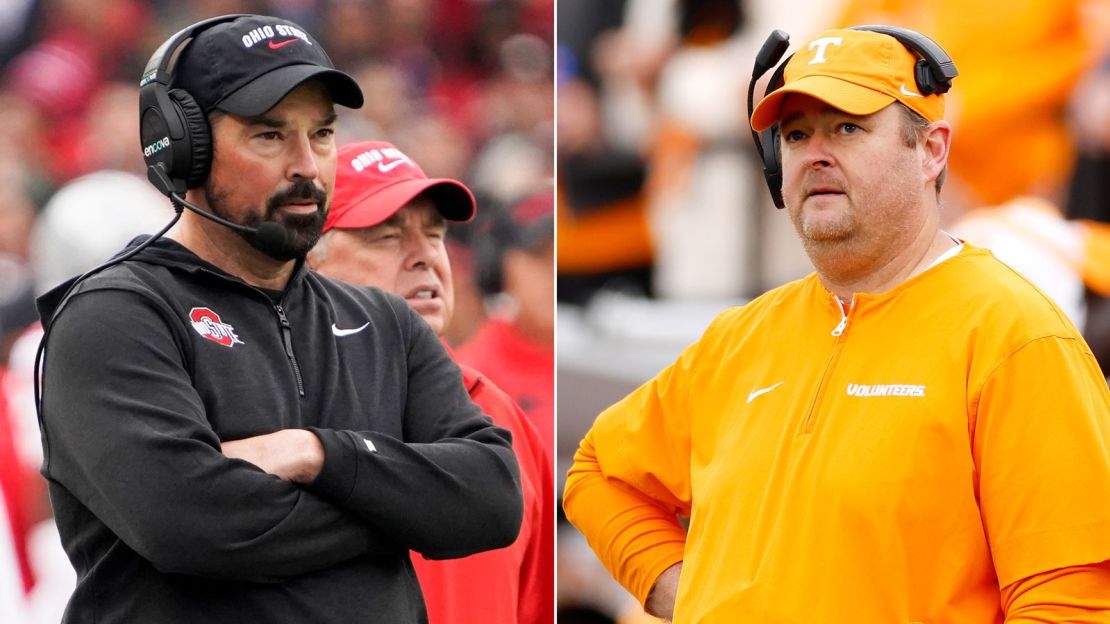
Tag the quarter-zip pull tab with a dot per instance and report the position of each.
(839, 329)
(287, 340)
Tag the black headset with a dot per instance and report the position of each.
(177, 147)
(933, 73)
(176, 139)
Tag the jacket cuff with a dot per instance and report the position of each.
(336, 481)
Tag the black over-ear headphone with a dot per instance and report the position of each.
(933, 73)
(176, 139)
(177, 147)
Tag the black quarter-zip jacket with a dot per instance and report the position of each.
(152, 363)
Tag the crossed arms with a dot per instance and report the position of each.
(127, 437)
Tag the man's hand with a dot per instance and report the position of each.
(660, 602)
(291, 454)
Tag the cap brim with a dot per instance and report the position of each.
(453, 200)
(263, 93)
(840, 94)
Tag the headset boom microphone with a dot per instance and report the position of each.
(269, 237)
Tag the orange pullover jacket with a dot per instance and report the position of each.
(898, 461)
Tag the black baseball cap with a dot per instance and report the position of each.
(247, 65)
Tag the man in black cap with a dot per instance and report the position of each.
(230, 437)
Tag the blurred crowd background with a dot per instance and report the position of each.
(463, 87)
(665, 220)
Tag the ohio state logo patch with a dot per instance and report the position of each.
(208, 324)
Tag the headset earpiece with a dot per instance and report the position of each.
(772, 171)
(769, 143)
(924, 78)
(934, 70)
(198, 139)
(162, 131)
(176, 139)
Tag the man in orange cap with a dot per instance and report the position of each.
(913, 433)
(386, 228)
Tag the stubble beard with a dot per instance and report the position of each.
(844, 249)
(826, 233)
(839, 229)
(302, 231)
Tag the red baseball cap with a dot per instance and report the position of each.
(374, 179)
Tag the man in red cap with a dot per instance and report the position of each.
(386, 228)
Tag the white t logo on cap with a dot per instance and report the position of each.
(821, 44)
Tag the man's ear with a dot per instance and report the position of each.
(937, 141)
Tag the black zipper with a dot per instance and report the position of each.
(287, 339)
(283, 320)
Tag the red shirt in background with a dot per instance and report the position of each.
(520, 367)
(14, 480)
(513, 585)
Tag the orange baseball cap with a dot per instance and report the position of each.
(857, 71)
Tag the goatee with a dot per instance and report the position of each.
(301, 231)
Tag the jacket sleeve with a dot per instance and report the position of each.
(451, 487)
(1041, 446)
(125, 433)
(1077, 594)
(630, 479)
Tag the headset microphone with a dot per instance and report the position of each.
(770, 53)
(269, 237)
